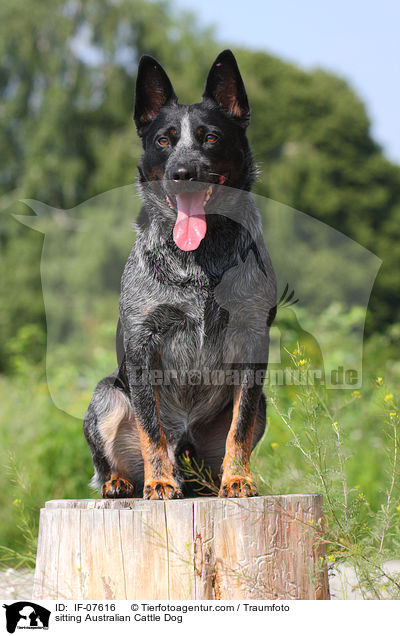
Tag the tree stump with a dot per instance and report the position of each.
(206, 548)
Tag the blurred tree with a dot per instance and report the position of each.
(67, 74)
(311, 137)
(67, 71)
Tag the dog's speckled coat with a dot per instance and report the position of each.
(205, 310)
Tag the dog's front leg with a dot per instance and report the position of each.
(159, 479)
(160, 475)
(236, 477)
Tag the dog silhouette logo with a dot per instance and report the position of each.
(26, 615)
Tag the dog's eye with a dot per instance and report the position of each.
(163, 141)
(211, 138)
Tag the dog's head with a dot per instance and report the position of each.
(191, 151)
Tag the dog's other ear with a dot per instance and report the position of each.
(153, 91)
(225, 86)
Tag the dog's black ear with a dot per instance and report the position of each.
(153, 91)
(225, 86)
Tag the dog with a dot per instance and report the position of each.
(199, 241)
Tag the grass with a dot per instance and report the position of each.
(354, 532)
(344, 444)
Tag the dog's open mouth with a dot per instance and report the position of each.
(191, 225)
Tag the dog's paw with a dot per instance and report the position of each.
(117, 488)
(237, 486)
(157, 489)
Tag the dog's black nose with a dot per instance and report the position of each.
(183, 174)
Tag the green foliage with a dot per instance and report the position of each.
(311, 137)
(320, 428)
(67, 73)
(49, 450)
(43, 454)
(66, 78)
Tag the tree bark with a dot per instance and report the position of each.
(258, 548)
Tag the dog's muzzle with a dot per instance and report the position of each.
(189, 198)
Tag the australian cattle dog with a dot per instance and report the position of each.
(198, 296)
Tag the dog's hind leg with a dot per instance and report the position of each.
(210, 444)
(111, 432)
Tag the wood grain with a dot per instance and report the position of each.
(206, 548)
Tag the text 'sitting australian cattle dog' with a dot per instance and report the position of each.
(198, 296)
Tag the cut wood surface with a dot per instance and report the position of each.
(207, 548)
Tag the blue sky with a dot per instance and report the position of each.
(358, 40)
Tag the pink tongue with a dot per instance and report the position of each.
(190, 226)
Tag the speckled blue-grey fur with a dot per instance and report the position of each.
(197, 311)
